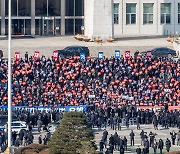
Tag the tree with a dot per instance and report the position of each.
(73, 135)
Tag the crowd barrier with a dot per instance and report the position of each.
(81, 108)
(132, 121)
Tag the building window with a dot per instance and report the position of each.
(70, 10)
(179, 13)
(148, 13)
(165, 13)
(24, 7)
(131, 13)
(74, 8)
(13, 7)
(116, 13)
(41, 7)
(54, 7)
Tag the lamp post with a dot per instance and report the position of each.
(9, 76)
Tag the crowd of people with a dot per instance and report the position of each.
(115, 117)
(106, 82)
(112, 89)
(118, 143)
(36, 121)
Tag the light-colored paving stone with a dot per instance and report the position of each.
(46, 45)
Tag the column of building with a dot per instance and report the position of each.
(32, 17)
(2, 17)
(63, 6)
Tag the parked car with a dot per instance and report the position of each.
(17, 126)
(52, 126)
(71, 51)
(163, 52)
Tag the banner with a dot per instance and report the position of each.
(82, 56)
(100, 55)
(127, 54)
(117, 54)
(36, 55)
(149, 54)
(158, 107)
(17, 56)
(81, 108)
(55, 54)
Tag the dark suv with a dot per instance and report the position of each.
(163, 52)
(71, 51)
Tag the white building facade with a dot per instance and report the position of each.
(137, 17)
(104, 18)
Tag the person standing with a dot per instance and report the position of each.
(125, 143)
(132, 137)
(101, 145)
(111, 140)
(178, 138)
(21, 136)
(152, 137)
(127, 121)
(155, 122)
(114, 123)
(160, 145)
(39, 124)
(111, 149)
(45, 140)
(142, 137)
(104, 137)
(138, 122)
(155, 146)
(1, 141)
(168, 145)
(119, 123)
(40, 139)
(138, 150)
(173, 137)
(26, 57)
(146, 146)
(121, 150)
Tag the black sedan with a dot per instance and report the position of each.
(163, 52)
(71, 51)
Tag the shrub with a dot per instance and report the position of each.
(72, 135)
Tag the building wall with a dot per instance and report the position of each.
(147, 29)
(36, 17)
(98, 18)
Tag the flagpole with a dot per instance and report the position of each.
(9, 76)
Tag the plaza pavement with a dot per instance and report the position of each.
(161, 133)
(46, 45)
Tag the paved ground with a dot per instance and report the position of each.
(162, 133)
(46, 45)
